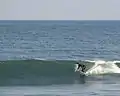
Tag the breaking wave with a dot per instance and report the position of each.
(37, 72)
(103, 67)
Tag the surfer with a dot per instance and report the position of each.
(83, 67)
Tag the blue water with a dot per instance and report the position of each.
(59, 40)
(56, 40)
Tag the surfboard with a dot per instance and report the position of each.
(82, 73)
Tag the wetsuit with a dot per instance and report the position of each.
(82, 66)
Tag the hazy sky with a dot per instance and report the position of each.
(59, 9)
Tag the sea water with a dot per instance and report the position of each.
(37, 57)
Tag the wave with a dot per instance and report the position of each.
(102, 67)
(37, 72)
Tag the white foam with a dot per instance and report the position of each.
(103, 67)
(116, 61)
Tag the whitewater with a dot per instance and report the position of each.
(102, 67)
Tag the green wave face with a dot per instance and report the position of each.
(35, 72)
(36, 68)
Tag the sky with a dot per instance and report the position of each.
(59, 9)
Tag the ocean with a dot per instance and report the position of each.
(37, 57)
